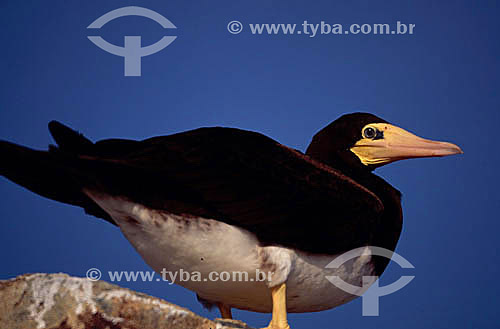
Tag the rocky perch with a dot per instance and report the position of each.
(60, 301)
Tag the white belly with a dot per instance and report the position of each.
(168, 242)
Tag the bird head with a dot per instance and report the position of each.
(365, 141)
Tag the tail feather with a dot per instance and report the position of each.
(49, 173)
(34, 170)
(69, 140)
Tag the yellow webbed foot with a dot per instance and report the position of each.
(279, 320)
(225, 311)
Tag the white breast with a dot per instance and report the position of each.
(171, 242)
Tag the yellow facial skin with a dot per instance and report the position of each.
(397, 144)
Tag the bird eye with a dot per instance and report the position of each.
(369, 132)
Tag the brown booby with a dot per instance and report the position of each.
(215, 200)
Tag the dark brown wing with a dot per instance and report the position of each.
(239, 177)
(245, 179)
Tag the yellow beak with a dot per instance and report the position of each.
(398, 144)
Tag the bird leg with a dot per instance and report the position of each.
(225, 311)
(279, 320)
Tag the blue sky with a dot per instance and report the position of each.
(441, 82)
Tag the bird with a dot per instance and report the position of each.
(226, 200)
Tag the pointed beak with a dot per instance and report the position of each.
(398, 144)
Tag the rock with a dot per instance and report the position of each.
(59, 301)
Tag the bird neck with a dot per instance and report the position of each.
(387, 231)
